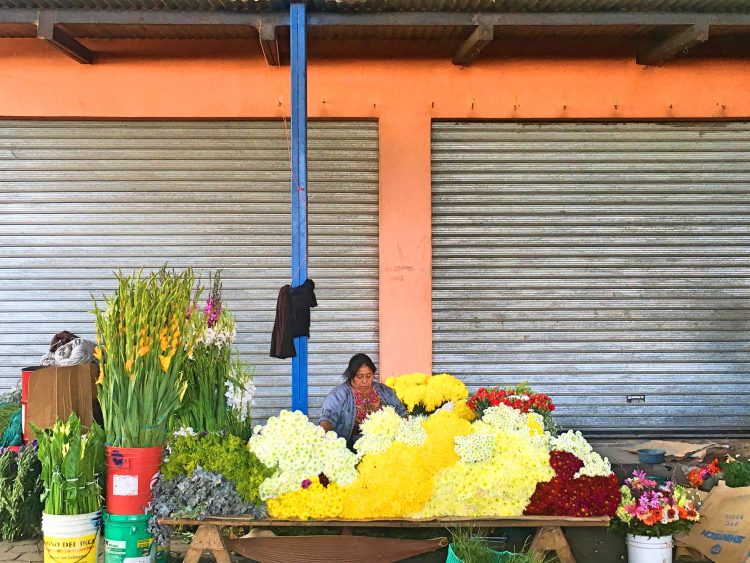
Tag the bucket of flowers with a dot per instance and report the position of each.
(650, 514)
(142, 344)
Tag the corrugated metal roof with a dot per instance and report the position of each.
(195, 5)
(533, 5)
(740, 6)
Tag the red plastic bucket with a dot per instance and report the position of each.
(130, 474)
(25, 376)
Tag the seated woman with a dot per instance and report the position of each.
(347, 405)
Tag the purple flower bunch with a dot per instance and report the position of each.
(212, 310)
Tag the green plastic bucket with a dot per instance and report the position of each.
(127, 539)
(495, 556)
(162, 554)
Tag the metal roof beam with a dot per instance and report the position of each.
(672, 46)
(526, 19)
(478, 40)
(272, 50)
(46, 28)
(468, 19)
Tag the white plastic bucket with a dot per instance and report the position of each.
(644, 549)
(71, 539)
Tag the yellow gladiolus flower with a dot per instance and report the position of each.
(98, 353)
(101, 376)
(164, 344)
(143, 350)
(165, 361)
(129, 365)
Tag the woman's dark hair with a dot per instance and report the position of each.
(357, 361)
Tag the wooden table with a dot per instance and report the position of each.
(306, 549)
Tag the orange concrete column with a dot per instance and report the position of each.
(405, 243)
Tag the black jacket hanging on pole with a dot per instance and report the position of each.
(301, 299)
(292, 318)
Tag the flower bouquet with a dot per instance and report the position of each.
(72, 467)
(649, 514)
(521, 398)
(240, 393)
(208, 367)
(143, 343)
(704, 475)
(72, 464)
(647, 509)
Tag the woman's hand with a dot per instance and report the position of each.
(327, 426)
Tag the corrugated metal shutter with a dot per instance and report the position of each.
(83, 198)
(600, 262)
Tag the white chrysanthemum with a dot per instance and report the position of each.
(412, 431)
(505, 418)
(299, 449)
(594, 465)
(378, 431)
(476, 447)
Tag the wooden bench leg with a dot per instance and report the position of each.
(552, 539)
(210, 538)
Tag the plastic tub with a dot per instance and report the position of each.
(127, 539)
(71, 539)
(497, 556)
(644, 549)
(130, 473)
(651, 456)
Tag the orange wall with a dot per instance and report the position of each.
(229, 79)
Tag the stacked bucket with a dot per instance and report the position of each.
(131, 473)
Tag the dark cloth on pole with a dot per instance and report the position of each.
(301, 299)
(282, 345)
(292, 318)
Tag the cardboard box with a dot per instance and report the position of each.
(55, 392)
(723, 532)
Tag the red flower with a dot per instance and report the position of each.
(566, 496)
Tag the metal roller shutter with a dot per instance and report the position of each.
(80, 199)
(607, 264)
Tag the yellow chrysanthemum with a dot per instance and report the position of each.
(429, 392)
(499, 486)
(399, 481)
(313, 502)
(462, 410)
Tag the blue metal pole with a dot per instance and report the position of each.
(298, 52)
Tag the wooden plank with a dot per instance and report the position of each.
(516, 522)
(332, 548)
(675, 44)
(207, 538)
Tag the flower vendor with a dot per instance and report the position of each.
(348, 404)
